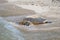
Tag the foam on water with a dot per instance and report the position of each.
(9, 31)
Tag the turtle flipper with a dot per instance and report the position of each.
(26, 23)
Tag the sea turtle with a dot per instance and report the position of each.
(35, 21)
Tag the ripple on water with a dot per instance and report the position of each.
(8, 32)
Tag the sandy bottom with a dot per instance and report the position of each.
(52, 14)
(51, 31)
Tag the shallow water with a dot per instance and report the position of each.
(8, 32)
(40, 32)
(12, 31)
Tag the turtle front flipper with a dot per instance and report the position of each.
(26, 23)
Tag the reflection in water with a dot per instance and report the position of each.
(8, 32)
